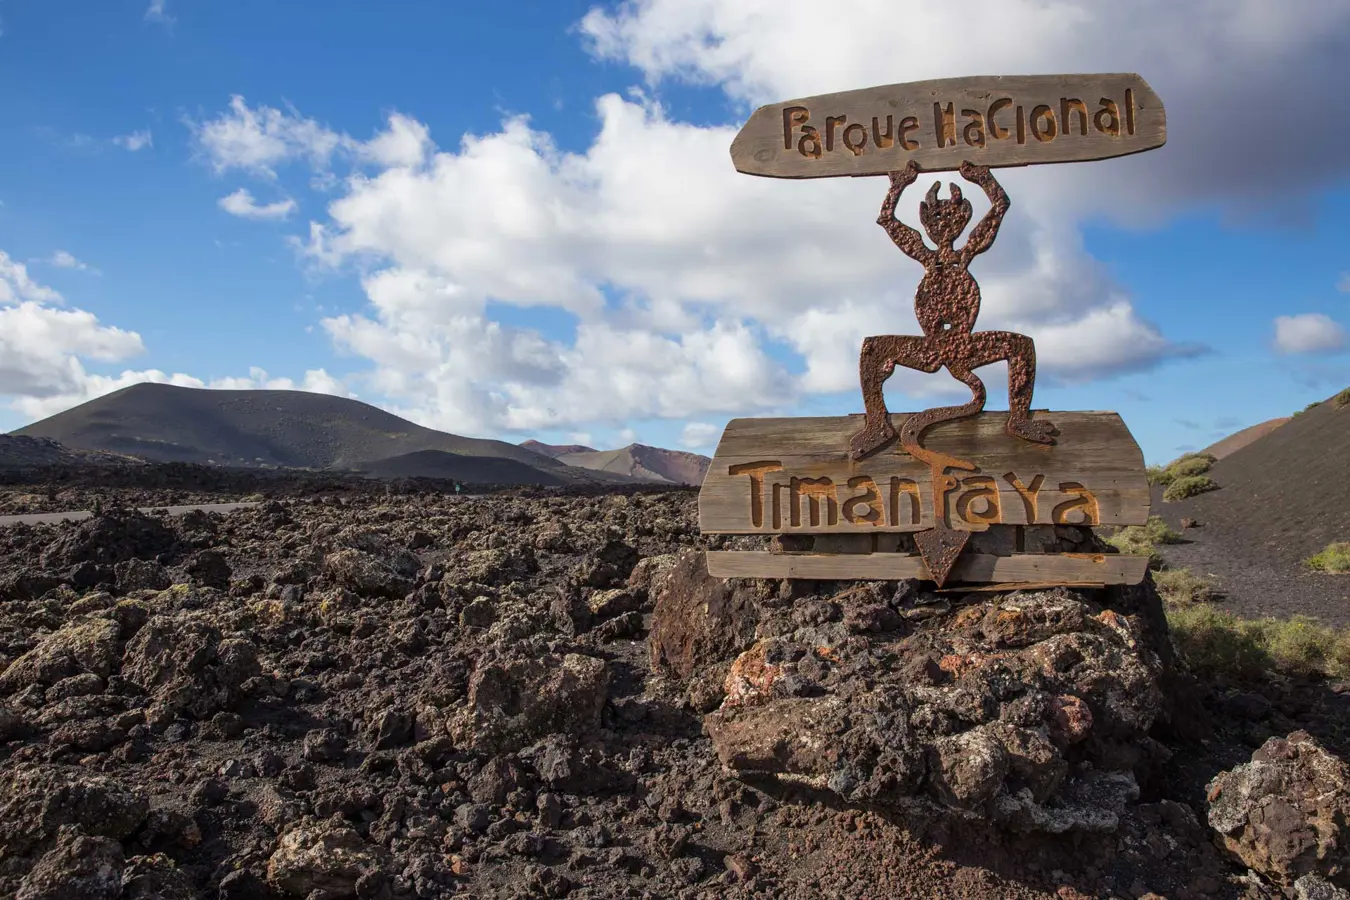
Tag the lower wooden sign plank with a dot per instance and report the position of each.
(794, 476)
(1022, 568)
(1019, 586)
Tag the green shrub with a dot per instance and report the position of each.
(1342, 399)
(1187, 464)
(1159, 532)
(1299, 646)
(1191, 464)
(1188, 486)
(1334, 559)
(1133, 541)
(1143, 540)
(1214, 642)
(1308, 407)
(1180, 587)
(1339, 657)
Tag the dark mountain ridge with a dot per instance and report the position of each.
(286, 429)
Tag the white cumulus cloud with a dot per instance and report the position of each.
(1205, 58)
(44, 347)
(405, 143)
(699, 435)
(258, 140)
(64, 259)
(16, 284)
(137, 140)
(1309, 333)
(241, 204)
(690, 291)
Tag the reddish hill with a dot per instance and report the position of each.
(556, 450)
(641, 461)
(1240, 439)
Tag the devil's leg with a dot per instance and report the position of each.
(1020, 353)
(880, 355)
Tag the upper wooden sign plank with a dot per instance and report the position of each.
(794, 476)
(991, 121)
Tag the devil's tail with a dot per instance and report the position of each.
(911, 431)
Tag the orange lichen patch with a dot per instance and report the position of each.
(958, 664)
(1112, 618)
(1070, 719)
(1122, 625)
(1010, 619)
(969, 615)
(829, 654)
(952, 664)
(1069, 892)
(751, 677)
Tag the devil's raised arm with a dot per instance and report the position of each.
(906, 238)
(984, 233)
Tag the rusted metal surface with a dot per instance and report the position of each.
(947, 304)
(940, 548)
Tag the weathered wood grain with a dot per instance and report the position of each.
(991, 121)
(1027, 568)
(760, 469)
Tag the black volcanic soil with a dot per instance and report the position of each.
(63, 488)
(452, 466)
(275, 712)
(1282, 498)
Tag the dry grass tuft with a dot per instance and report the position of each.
(1335, 559)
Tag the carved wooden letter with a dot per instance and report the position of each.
(756, 471)
(869, 498)
(814, 490)
(905, 486)
(979, 488)
(1028, 494)
(1083, 506)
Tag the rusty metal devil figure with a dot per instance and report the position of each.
(947, 303)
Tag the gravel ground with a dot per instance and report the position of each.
(406, 696)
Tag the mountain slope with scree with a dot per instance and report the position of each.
(644, 462)
(1281, 498)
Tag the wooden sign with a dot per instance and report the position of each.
(993, 121)
(950, 473)
(795, 476)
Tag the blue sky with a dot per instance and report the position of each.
(596, 270)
